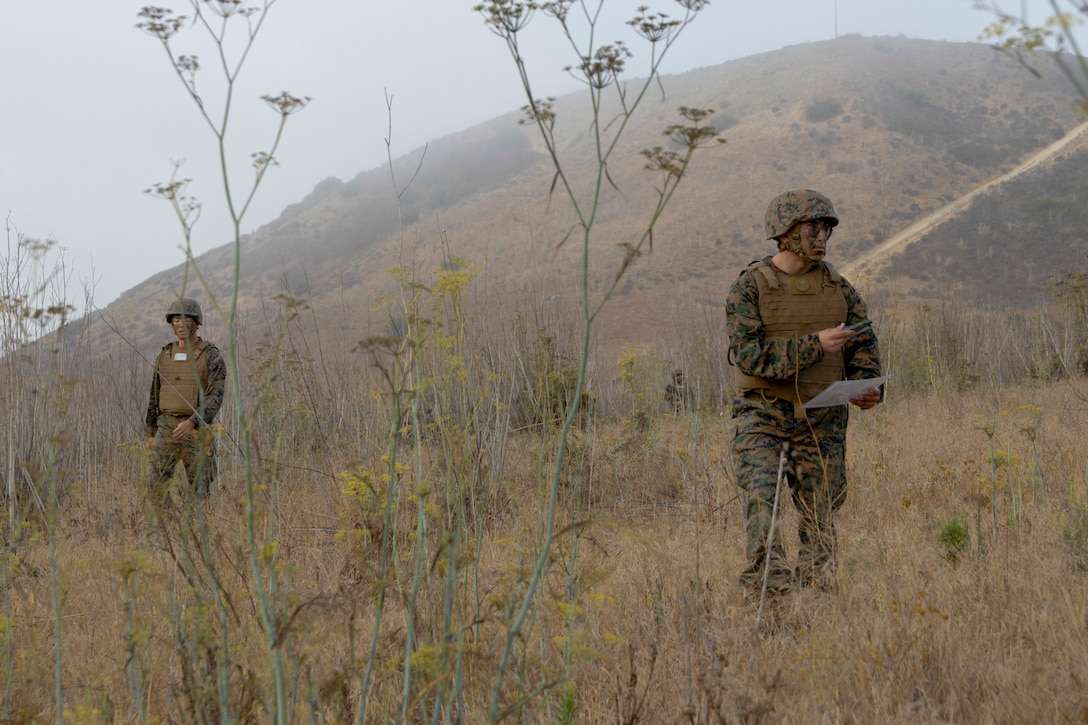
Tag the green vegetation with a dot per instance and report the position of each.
(955, 538)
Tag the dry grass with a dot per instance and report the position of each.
(659, 632)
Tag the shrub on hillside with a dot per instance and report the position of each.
(823, 109)
(955, 538)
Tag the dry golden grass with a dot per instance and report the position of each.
(659, 631)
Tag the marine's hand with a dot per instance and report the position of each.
(182, 429)
(866, 400)
(834, 339)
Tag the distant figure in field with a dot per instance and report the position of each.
(676, 393)
(787, 317)
(186, 394)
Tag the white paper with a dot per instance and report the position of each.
(840, 393)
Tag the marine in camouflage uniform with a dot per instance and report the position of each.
(186, 393)
(676, 392)
(786, 319)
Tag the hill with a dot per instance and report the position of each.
(892, 129)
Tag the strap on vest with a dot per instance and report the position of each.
(833, 273)
(765, 268)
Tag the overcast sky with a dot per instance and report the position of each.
(92, 114)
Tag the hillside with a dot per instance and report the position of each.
(892, 129)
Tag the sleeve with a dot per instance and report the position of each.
(214, 390)
(753, 353)
(151, 419)
(861, 353)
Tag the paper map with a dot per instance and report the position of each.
(840, 393)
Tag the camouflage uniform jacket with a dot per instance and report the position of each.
(777, 358)
(214, 389)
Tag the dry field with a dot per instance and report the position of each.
(962, 592)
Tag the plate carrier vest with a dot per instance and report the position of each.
(182, 382)
(792, 305)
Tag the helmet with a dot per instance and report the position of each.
(188, 307)
(799, 205)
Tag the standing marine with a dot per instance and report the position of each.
(788, 318)
(186, 394)
(676, 392)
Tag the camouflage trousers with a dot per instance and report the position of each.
(815, 480)
(196, 453)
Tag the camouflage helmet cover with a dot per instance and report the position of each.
(186, 306)
(793, 207)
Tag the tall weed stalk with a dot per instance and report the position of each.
(600, 67)
(218, 20)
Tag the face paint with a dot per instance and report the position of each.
(808, 240)
(183, 326)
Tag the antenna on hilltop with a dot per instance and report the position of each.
(836, 19)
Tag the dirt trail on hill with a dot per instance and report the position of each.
(868, 261)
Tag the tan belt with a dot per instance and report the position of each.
(798, 409)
